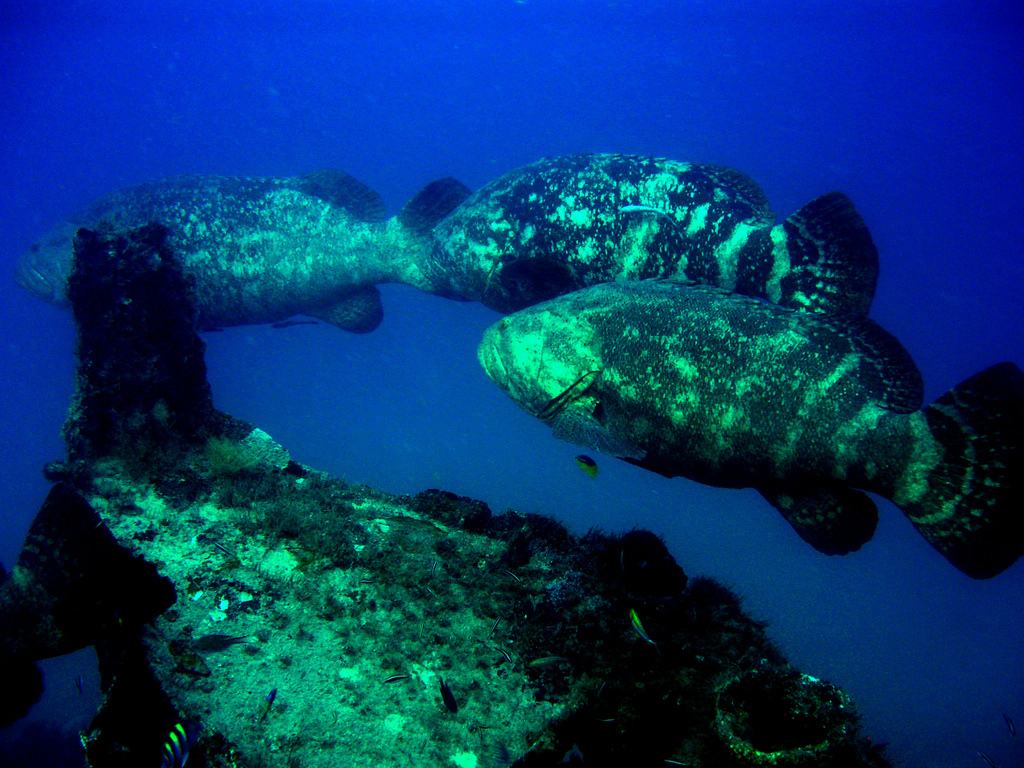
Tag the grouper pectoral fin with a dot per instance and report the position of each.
(833, 519)
(577, 417)
(579, 428)
(359, 311)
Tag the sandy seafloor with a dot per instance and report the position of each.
(914, 111)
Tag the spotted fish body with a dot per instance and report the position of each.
(811, 410)
(263, 249)
(565, 223)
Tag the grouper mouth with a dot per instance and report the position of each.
(489, 357)
(43, 268)
(565, 397)
(532, 389)
(504, 368)
(29, 277)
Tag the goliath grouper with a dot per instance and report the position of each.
(809, 409)
(263, 249)
(564, 223)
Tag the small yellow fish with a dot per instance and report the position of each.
(587, 464)
(634, 619)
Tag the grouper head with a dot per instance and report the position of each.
(44, 268)
(547, 359)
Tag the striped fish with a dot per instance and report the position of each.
(180, 741)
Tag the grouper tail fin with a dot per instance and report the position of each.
(970, 503)
(824, 259)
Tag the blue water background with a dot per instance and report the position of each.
(913, 109)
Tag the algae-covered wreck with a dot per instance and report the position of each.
(279, 617)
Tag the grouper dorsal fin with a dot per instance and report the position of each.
(742, 186)
(344, 191)
(884, 365)
(433, 203)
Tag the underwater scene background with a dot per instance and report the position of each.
(912, 109)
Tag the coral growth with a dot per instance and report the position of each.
(355, 604)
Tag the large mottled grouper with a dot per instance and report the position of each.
(809, 409)
(564, 223)
(260, 250)
(263, 249)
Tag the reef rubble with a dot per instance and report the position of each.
(392, 630)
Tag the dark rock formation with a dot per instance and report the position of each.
(141, 374)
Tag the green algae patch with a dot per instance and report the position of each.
(528, 625)
(415, 601)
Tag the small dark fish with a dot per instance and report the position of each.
(500, 756)
(574, 756)
(216, 643)
(986, 758)
(233, 560)
(587, 464)
(396, 678)
(448, 697)
(180, 740)
(268, 702)
(547, 661)
(290, 323)
(1009, 724)
(225, 550)
(78, 684)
